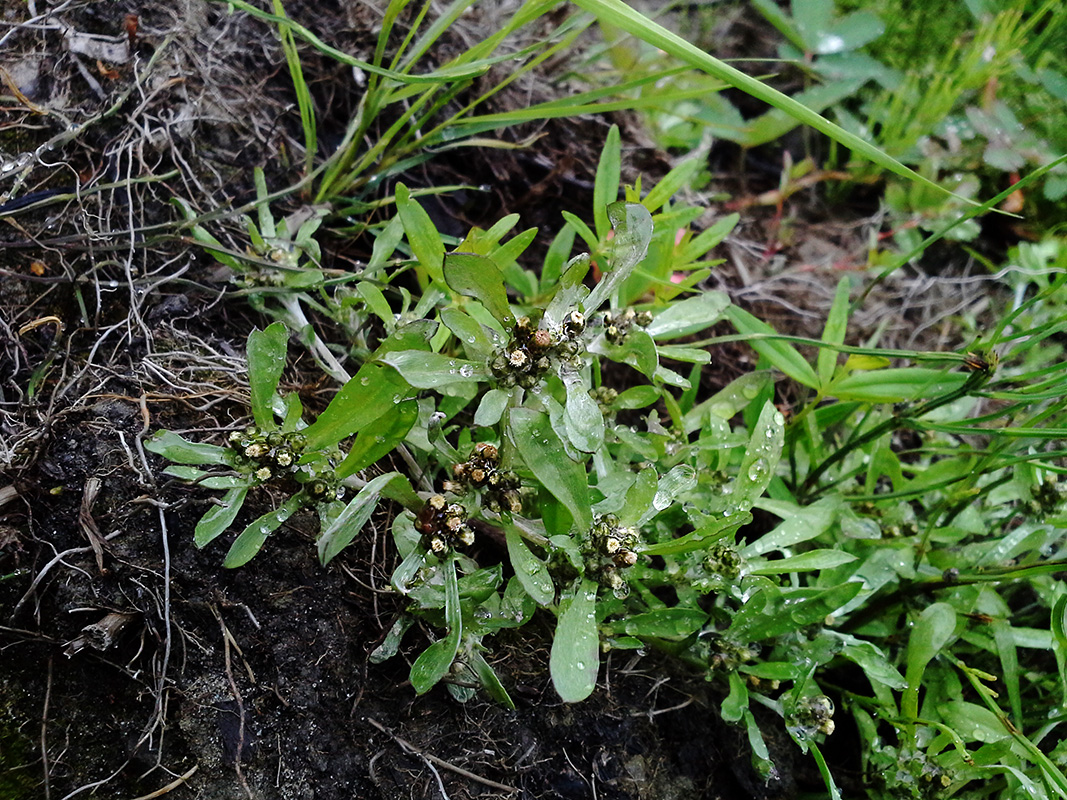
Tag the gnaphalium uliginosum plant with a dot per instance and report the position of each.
(619, 519)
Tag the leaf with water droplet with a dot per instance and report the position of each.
(633, 231)
(266, 359)
(530, 571)
(381, 438)
(350, 522)
(674, 484)
(727, 402)
(174, 448)
(543, 453)
(664, 623)
(479, 277)
(434, 662)
(761, 458)
(575, 656)
(582, 419)
(688, 316)
(251, 539)
(357, 405)
(218, 518)
(433, 370)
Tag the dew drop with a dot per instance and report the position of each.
(758, 470)
(750, 391)
(365, 380)
(579, 664)
(778, 418)
(466, 370)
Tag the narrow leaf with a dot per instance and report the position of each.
(575, 657)
(477, 276)
(529, 569)
(544, 454)
(218, 518)
(266, 359)
(350, 522)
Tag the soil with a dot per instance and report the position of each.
(257, 682)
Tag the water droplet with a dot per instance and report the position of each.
(466, 370)
(590, 596)
(379, 439)
(579, 664)
(728, 511)
(451, 363)
(758, 470)
(531, 568)
(471, 340)
(779, 419)
(396, 399)
(365, 380)
(750, 391)
(451, 372)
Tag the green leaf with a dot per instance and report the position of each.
(423, 237)
(833, 333)
(636, 397)
(469, 332)
(871, 660)
(575, 657)
(761, 457)
(434, 370)
(896, 385)
(479, 277)
(637, 506)
(530, 571)
(266, 360)
(368, 395)
(805, 562)
(543, 453)
(380, 439)
(491, 408)
(606, 183)
(664, 623)
(218, 518)
(638, 350)
(799, 524)
(633, 232)
(735, 704)
(780, 354)
(435, 661)
(347, 525)
(932, 631)
(206, 479)
(174, 448)
(251, 539)
(701, 538)
(582, 418)
(700, 244)
(689, 316)
(489, 680)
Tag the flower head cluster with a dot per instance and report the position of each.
(267, 455)
(530, 354)
(604, 397)
(726, 655)
(278, 455)
(501, 488)
(618, 326)
(813, 714)
(443, 526)
(611, 549)
(1047, 497)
